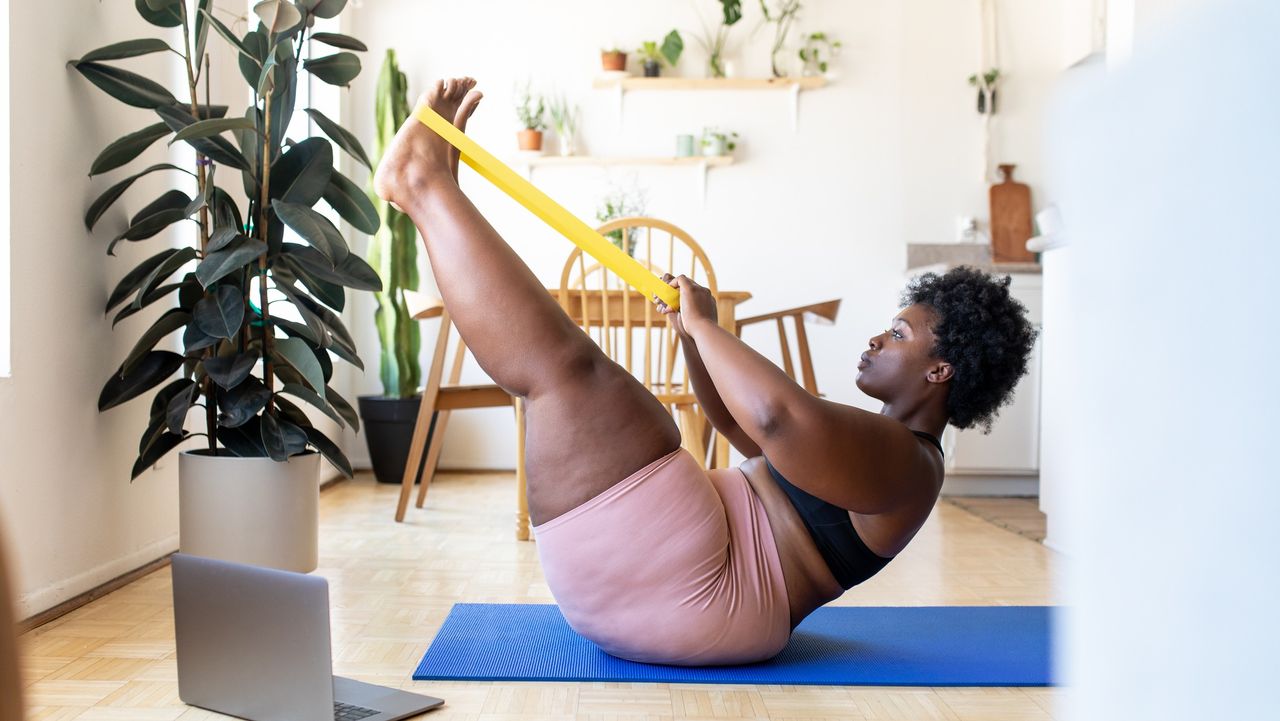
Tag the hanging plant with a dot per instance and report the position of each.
(986, 85)
(244, 364)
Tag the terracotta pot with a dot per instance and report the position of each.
(529, 139)
(613, 60)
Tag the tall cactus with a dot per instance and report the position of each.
(393, 251)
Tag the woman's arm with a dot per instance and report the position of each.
(858, 460)
(704, 388)
(712, 404)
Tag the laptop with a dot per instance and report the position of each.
(253, 642)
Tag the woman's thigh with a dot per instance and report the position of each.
(586, 430)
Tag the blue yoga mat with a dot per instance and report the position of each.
(836, 646)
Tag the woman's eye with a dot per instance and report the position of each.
(897, 335)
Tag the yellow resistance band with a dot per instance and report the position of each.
(551, 212)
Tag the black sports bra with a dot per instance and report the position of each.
(849, 559)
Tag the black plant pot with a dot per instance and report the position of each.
(651, 68)
(388, 431)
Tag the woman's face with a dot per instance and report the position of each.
(900, 358)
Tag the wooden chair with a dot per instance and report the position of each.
(627, 326)
(439, 399)
(820, 312)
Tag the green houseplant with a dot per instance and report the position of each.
(531, 111)
(782, 18)
(811, 54)
(393, 253)
(622, 203)
(714, 41)
(716, 142)
(654, 56)
(565, 119)
(986, 85)
(613, 60)
(258, 313)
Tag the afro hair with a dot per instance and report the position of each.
(983, 332)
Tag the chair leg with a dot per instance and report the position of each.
(421, 429)
(522, 481)
(691, 434)
(433, 455)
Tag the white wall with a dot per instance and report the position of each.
(73, 516)
(1171, 580)
(889, 153)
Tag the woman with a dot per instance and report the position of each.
(648, 555)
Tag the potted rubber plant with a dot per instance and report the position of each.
(256, 309)
(530, 110)
(393, 253)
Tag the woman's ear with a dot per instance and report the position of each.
(939, 372)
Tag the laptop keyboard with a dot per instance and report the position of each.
(350, 712)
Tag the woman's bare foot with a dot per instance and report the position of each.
(417, 157)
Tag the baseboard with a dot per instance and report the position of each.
(973, 484)
(42, 605)
(119, 573)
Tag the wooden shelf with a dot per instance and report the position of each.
(619, 84)
(642, 83)
(713, 161)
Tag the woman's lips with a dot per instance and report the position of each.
(864, 362)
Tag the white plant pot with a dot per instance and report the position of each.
(250, 510)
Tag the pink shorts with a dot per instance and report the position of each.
(674, 565)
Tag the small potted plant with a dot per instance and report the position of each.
(564, 120)
(714, 41)
(530, 109)
(781, 16)
(716, 142)
(613, 60)
(655, 56)
(986, 85)
(815, 63)
(622, 203)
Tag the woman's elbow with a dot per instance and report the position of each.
(773, 420)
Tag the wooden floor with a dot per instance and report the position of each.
(392, 585)
(1020, 514)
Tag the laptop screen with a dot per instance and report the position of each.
(252, 642)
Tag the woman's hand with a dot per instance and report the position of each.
(697, 306)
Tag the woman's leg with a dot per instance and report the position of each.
(589, 423)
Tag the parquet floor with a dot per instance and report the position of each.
(392, 585)
(1020, 514)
